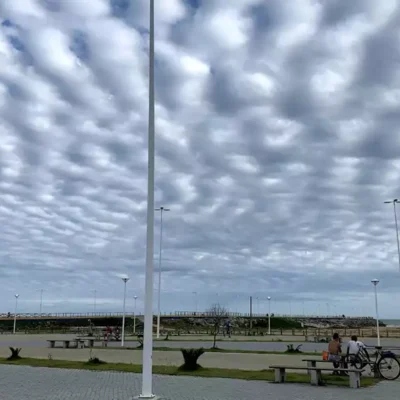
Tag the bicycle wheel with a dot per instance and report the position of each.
(389, 368)
(355, 361)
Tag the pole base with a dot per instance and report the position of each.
(147, 396)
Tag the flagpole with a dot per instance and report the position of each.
(147, 371)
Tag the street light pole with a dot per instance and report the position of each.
(147, 370)
(195, 300)
(123, 313)
(41, 302)
(269, 315)
(134, 316)
(161, 209)
(15, 313)
(397, 228)
(94, 301)
(375, 283)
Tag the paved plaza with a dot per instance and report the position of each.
(27, 383)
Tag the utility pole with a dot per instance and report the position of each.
(251, 312)
(41, 301)
(161, 209)
(396, 226)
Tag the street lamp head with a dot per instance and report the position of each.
(135, 297)
(162, 209)
(16, 296)
(269, 297)
(125, 279)
(375, 281)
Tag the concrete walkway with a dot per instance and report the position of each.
(26, 383)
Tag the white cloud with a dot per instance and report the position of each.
(276, 146)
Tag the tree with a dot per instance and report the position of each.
(216, 315)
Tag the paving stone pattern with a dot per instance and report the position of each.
(27, 383)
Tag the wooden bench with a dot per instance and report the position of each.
(316, 374)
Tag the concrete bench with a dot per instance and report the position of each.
(88, 340)
(312, 362)
(65, 343)
(316, 374)
(79, 343)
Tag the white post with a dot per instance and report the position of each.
(15, 313)
(123, 313)
(134, 316)
(269, 315)
(195, 300)
(147, 371)
(41, 301)
(397, 231)
(375, 283)
(159, 278)
(95, 301)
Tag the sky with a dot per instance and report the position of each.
(277, 142)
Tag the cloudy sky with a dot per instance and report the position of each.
(277, 141)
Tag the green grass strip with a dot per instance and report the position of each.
(218, 350)
(263, 375)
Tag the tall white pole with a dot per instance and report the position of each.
(375, 283)
(195, 301)
(15, 313)
(269, 315)
(397, 230)
(147, 371)
(95, 301)
(41, 301)
(123, 313)
(134, 316)
(159, 277)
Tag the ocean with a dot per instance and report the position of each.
(391, 322)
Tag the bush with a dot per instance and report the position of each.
(190, 357)
(95, 361)
(14, 354)
(291, 349)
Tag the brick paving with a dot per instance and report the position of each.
(27, 383)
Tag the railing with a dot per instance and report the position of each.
(191, 314)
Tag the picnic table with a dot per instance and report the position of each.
(312, 362)
(77, 342)
(89, 341)
(53, 342)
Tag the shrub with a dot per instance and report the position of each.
(95, 361)
(14, 354)
(291, 349)
(190, 357)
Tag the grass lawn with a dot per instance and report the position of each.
(210, 339)
(216, 351)
(264, 375)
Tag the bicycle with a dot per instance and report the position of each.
(385, 365)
